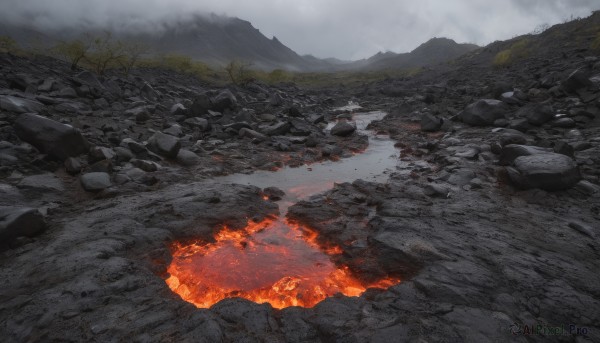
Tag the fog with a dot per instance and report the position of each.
(345, 29)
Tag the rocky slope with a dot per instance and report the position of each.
(491, 219)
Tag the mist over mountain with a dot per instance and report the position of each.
(217, 40)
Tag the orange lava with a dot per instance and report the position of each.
(272, 261)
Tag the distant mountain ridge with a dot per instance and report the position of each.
(218, 39)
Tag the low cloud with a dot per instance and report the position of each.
(347, 29)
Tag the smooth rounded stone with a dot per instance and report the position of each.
(42, 182)
(199, 123)
(587, 188)
(20, 221)
(19, 105)
(224, 100)
(147, 166)
(343, 128)
(277, 129)
(547, 171)
(435, 190)
(174, 130)
(576, 80)
(267, 117)
(50, 137)
(164, 144)
(331, 150)
(99, 153)
(273, 193)
(536, 114)
(510, 152)
(72, 165)
(484, 112)
(564, 123)
(95, 182)
(431, 123)
(501, 122)
(123, 154)
(573, 134)
(468, 153)
(187, 158)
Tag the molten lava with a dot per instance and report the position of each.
(272, 261)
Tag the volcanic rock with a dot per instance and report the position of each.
(484, 112)
(548, 171)
(430, 123)
(343, 128)
(187, 158)
(164, 144)
(95, 182)
(224, 100)
(19, 105)
(50, 137)
(20, 221)
(576, 80)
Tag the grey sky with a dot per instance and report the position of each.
(346, 29)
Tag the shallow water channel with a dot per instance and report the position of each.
(276, 261)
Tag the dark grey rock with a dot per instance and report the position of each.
(42, 182)
(274, 193)
(174, 130)
(435, 190)
(19, 222)
(277, 129)
(430, 123)
(512, 151)
(147, 166)
(547, 171)
(249, 133)
(224, 100)
(576, 80)
(99, 153)
(200, 106)
(536, 114)
(19, 105)
(564, 123)
(331, 150)
(148, 92)
(72, 166)
(343, 128)
(164, 144)
(187, 158)
(484, 112)
(95, 182)
(199, 123)
(50, 137)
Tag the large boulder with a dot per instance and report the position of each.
(200, 106)
(547, 171)
(343, 128)
(165, 145)
(484, 112)
(536, 114)
(20, 221)
(19, 105)
(50, 137)
(510, 152)
(576, 80)
(224, 100)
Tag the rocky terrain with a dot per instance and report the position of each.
(490, 220)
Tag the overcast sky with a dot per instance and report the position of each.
(346, 29)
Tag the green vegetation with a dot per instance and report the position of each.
(596, 43)
(8, 45)
(72, 51)
(517, 50)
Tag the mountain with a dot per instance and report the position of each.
(434, 51)
(217, 40)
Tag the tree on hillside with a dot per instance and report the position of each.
(239, 72)
(105, 53)
(132, 53)
(73, 51)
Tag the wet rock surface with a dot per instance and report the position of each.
(490, 219)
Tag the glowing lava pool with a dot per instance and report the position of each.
(271, 261)
(275, 261)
